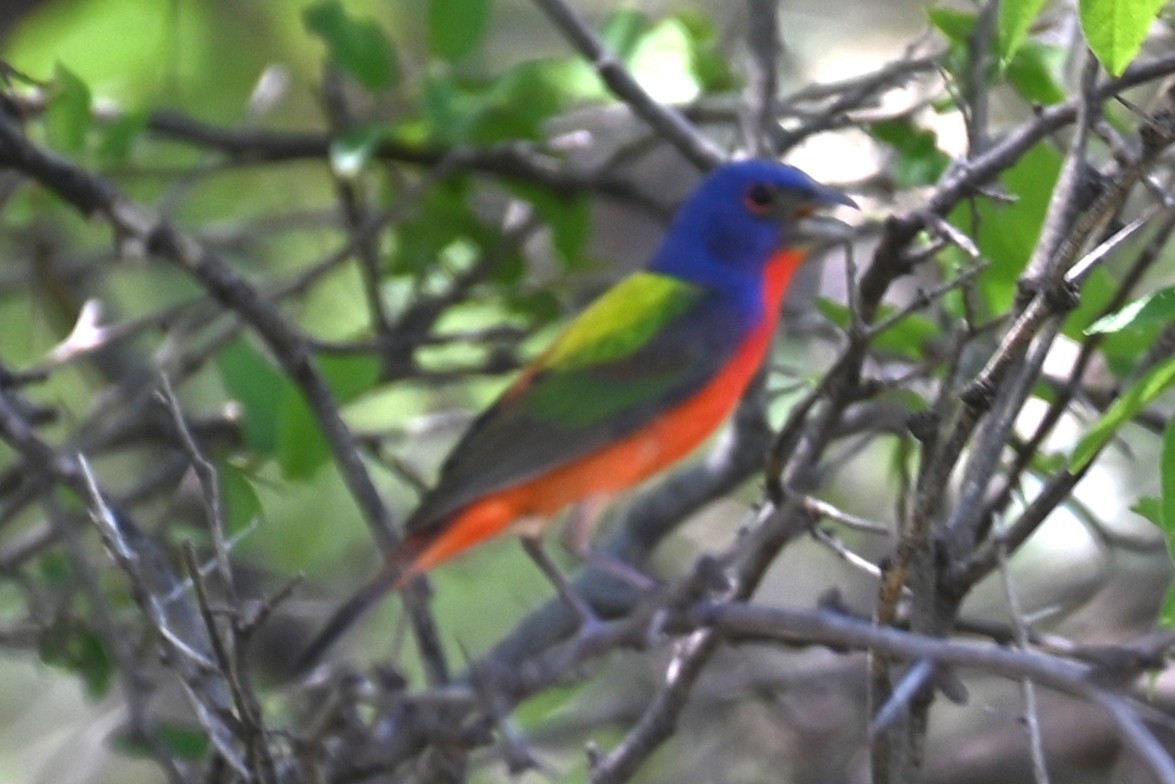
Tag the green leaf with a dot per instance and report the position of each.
(301, 447)
(443, 217)
(183, 741)
(622, 31)
(241, 503)
(919, 161)
(539, 306)
(351, 151)
(1167, 475)
(456, 27)
(511, 107)
(1116, 29)
(517, 104)
(358, 46)
(1167, 611)
(257, 386)
(73, 647)
(1120, 350)
(1049, 462)
(1015, 18)
(1156, 308)
(349, 376)
(663, 63)
(908, 336)
(68, 117)
(1036, 73)
(1135, 399)
(708, 61)
(120, 136)
(1007, 233)
(1151, 508)
(569, 218)
(53, 568)
(955, 25)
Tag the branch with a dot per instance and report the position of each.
(138, 227)
(664, 120)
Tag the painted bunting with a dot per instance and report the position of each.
(633, 384)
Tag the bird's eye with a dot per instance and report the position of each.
(758, 198)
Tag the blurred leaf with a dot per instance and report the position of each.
(241, 504)
(358, 46)
(53, 568)
(1049, 462)
(1167, 477)
(540, 306)
(509, 267)
(622, 31)
(1167, 611)
(518, 104)
(919, 161)
(569, 218)
(79, 650)
(119, 136)
(349, 376)
(351, 150)
(663, 63)
(954, 24)
(1135, 399)
(1161, 511)
(709, 63)
(538, 711)
(510, 107)
(1015, 19)
(185, 742)
(444, 106)
(1036, 72)
(456, 27)
(67, 117)
(1156, 308)
(257, 385)
(1116, 29)
(909, 336)
(443, 216)
(1151, 508)
(301, 447)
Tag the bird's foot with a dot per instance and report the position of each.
(618, 568)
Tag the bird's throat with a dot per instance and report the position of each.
(776, 277)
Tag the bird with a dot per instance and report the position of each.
(633, 384)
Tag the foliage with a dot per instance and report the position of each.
(297, 281)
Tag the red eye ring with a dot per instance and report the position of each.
(758, 198)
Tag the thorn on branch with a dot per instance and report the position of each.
(978, 395)
(1063, 297)
(1158, 132)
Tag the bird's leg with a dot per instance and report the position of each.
(534, 548)
(576, 538)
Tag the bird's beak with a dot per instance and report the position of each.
(830, 197)
(813, 228)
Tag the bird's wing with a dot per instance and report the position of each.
(646, 345)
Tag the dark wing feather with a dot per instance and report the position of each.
(557, 415)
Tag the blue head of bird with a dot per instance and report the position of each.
(738, 218)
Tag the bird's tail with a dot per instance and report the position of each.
(420, 551)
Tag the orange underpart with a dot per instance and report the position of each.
(629, 461)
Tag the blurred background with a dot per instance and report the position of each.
(1095, 573)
